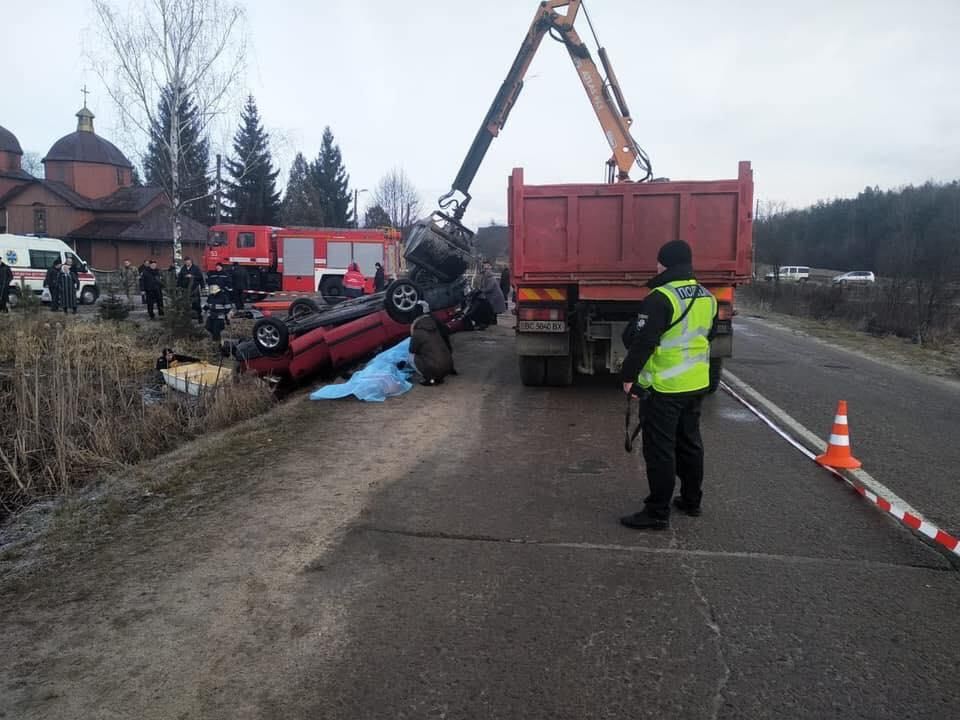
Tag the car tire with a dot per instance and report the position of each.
(716, 374)
(331, 286)
(271, 335)
(533, 370)
(88, 295)
(13, 297)
(400, 300)
(301, 307)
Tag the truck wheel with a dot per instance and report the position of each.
(271, 335)
(400, 300)
(533, 370)
(716, 371)
(301, 307)
(559, 371)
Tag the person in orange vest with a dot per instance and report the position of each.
(353, 281)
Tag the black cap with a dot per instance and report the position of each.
(675, 252)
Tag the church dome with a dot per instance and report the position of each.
(9, 143)
(85, 146)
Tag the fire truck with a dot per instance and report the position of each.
(302, 259)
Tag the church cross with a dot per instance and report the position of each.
(85, 93)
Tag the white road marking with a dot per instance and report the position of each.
(812, 441)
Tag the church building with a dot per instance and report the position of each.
(87, 199)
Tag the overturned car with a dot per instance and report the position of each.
(316, 336)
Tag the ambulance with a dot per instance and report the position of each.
(30, 257)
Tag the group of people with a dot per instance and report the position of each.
(225, 290)
(62, 282)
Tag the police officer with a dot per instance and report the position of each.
(668, 366)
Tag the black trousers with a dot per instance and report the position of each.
(672, 448)
(154, 297)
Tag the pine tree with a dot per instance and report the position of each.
(376, 217)
(251, 196)
(301, 202)
(332, 182)
(194, 159)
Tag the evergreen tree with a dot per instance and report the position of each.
(376, 217)
(194, 159)
(301, 202)
(251, 196)
(332, 183)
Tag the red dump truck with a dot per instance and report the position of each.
(582, 254)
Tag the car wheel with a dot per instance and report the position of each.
(271, 335)
(13, 297)
(301, 307)
(400, 301)
(716, 374)
(331, 286)
(88, 296)
(533, 370)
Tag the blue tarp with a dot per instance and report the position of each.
(380, 379)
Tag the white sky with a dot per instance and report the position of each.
(825, 97)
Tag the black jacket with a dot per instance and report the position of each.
(151, 281)
(6, 276)
(642, 337)
(188, 273)
(379, 280)
(219, 278)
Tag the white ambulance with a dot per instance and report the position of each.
(30, 257)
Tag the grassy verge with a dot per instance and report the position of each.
(940, 358)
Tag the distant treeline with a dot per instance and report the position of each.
(909, 233)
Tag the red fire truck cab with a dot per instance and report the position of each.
(302, 259)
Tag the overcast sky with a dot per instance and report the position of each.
(824, 97)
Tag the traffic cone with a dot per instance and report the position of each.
(838, 453)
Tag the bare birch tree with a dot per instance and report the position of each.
(160, 51)
(397, 195)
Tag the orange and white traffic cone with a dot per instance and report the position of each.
(838, 453)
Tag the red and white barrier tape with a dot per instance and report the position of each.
(910, 519)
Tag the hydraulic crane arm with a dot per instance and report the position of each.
(611, 110)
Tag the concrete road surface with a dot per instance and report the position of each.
(905, 426)
(487, 577)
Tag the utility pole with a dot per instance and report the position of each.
(356, 207)
(217, 192)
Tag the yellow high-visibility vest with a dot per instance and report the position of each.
(681, 363)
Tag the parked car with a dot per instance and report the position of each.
(791, 273)
(855, 277)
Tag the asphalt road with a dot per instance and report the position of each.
(496, 583)
(486, 576)
(904, 426)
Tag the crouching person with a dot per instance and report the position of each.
(430, 348)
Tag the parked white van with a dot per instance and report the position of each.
(30, 257)
(791, 273)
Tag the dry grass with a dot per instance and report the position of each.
(938, 355)
(74, 404)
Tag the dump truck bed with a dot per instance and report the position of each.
(605, 237)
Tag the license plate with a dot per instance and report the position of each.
(555, 326)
